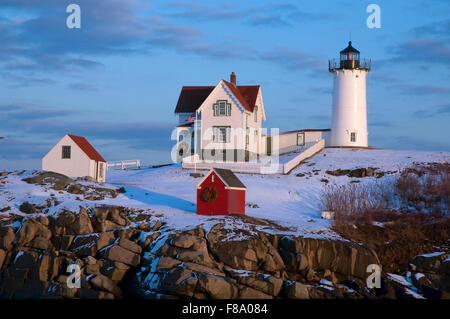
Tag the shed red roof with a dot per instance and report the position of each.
(191, 97)
(87, 148)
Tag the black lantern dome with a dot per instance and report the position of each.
(349, 59)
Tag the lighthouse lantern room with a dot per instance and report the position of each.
(349, 111)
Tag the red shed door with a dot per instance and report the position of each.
(209, 204)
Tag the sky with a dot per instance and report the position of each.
(117, 79)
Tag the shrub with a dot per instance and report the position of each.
(398, 220)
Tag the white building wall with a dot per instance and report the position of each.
(236, 121)
(78, 165)
(349, 108)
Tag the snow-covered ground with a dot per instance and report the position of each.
(289, 200)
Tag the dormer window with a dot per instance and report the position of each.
(222, 108)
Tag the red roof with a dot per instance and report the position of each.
(191, 97)
(87, 148)
(245, 94)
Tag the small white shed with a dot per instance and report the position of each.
(74, 156)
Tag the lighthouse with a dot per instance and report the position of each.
(349, 110)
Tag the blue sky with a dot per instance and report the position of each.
(116, 80)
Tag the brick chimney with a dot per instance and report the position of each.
(233, 78)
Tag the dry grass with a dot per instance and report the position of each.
(398, 220)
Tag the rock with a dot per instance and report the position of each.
(345, 258)
(108, 218)
(41, 243)
(338, 172)
(75, 189)
(429, 262)
(195, 256)
(131, 246)
(104, 283)
(92, 269)
(57, 181)
(269, 285)
(105, 239)
(114, 270)
(185, 241)
(249, 254)
(250, 293)
(30, 229)
(217, 287)
(120, 254)
(68, 223)
(85, 245)
(43, 220)
(2, 257)
(6, 237)
(300, 175)
(359, 172)
(167, 263)
(27, 208)
(295, 290)
(82, 224)
(63, 242)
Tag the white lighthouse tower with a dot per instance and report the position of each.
(349, 110)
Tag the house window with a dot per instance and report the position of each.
(222, 134)
(255, 111)
(66, 152)
(352, 137)
(222, 108)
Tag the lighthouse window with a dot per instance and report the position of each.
(352, 137)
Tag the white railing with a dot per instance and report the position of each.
(124, 164)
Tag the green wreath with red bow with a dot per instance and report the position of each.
(209, 194)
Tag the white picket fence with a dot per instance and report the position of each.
(124, 164)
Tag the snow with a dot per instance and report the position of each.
(400, 279)
(170, 192)
(430, 255)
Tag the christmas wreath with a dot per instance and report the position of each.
(209, 194)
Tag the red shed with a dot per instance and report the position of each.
(220, 192)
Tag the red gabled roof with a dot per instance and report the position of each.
(87, 148)
(191, 97)
(245, 94)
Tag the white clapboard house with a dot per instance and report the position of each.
(74, 156)
(226, 118)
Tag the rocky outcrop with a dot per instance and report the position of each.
(121, 253)
(357, 172)
(54, 180)
(34, 258)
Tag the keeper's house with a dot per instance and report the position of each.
(74, 156)
(220, 192)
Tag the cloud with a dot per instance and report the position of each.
(293, 59)
(441, 110)
(413, 143)
(201, 11)
(422, 89)
(82, 87)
